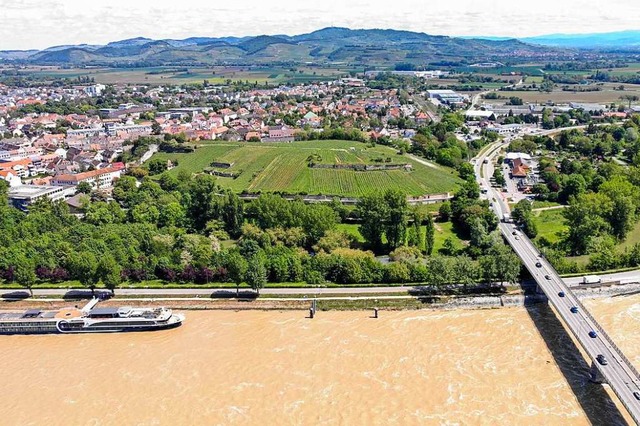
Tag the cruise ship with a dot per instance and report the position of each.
(89, 319)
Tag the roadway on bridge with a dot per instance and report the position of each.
(618, 372)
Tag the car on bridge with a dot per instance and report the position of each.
(561, 294)
(636, 394)
(538, 264)
(602, 359)
(574, 309)
(547, 277)
(593, 334)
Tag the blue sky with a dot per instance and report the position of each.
(43, 23)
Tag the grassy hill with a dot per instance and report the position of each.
(278, 167)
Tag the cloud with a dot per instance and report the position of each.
(43, 23)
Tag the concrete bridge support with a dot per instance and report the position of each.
(595, 375)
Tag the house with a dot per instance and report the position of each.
(280, 134)
(23, 196)
(252, 136)
(97, 178)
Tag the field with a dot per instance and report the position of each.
(283, 167)
(185, 75)
(607, 95)
(550, 224)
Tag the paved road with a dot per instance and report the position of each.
(207, 292)
(618, 372)
(153, 148)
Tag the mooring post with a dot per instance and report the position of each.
(375, 312)
(311, 313)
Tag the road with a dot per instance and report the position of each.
(153, 148)
(207, 292)
(618, 372)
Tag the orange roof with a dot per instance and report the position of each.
(11, 164)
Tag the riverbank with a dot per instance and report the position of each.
(329, 302)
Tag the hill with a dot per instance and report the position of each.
(368, 47)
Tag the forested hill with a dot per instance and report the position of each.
(329, 45)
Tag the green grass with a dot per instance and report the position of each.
(544, 204)
(196, 161)
(445, 230)
(282, 167)
(550, 224)
(632, 239)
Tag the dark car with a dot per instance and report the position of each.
(637, 395)
(514, 233)
(593, 334)
(602, 359)
(574, 309)
(561, 294)
(548, 277)
(539, 265)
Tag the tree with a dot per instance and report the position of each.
(416, 236)
(233, 214)
(372, 211)
(24, 272)
(396, 221)
(499, 177)
(522, 216)
(156, 129)
(84, 188)
(83, 266)
(236, 267)
(109, 272)
(444, 212)
(157, 166)
(429, 235)
(465, 271)
(256, 275)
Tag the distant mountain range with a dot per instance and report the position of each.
(614, 40)
(329, 45)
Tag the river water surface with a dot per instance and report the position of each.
(512, 366)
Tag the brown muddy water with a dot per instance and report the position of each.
(511, 366)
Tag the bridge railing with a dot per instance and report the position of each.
(604, 333)
(591, 318)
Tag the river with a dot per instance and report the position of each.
(483, 367)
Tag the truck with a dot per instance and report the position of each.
(591, 279)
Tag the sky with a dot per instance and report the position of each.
(36, 24)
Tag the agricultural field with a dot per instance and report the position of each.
(283, 167)
(608, 94)
(186, 75)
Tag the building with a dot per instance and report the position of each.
(21, 197)
(95, 90)
(479, 115)
(446, 96)
(99, 179)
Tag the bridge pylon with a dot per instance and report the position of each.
(595, 375)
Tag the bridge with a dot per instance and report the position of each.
(608, 363)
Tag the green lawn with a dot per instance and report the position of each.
(544, 204)
(550, 224)
(282, 167)
(444, 230)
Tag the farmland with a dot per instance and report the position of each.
(216, 75)
(277, 167)
(608, 93)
